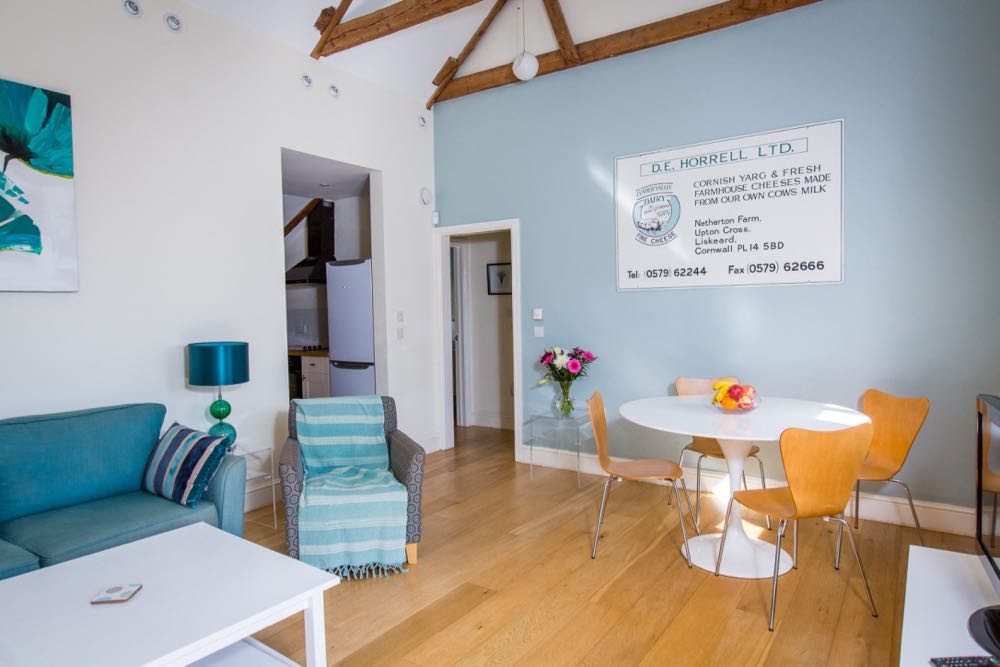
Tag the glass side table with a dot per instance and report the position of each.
(260, 465)
(561, 433)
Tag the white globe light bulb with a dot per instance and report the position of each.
(525, 66)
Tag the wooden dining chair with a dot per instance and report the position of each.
(710, 447)
(897, 422)
(643, 470)
(820, 467)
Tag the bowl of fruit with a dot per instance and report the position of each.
(732, 397)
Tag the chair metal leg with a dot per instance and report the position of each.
(725, 531)
(687, 499)
(857, 502)
(680, 516)
(993, 532)
(680, 462)
(913, 510)
(777, 563)
(840, 541)
(795, 545)
(745, 480)
(763, 485)
(697, 490)
(861, 568)
(600, 515)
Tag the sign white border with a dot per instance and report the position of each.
(619, 288)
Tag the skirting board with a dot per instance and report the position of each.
(876, 507)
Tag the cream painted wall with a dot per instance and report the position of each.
(489, 334)
(177, 142)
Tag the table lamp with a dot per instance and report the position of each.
(216, 364)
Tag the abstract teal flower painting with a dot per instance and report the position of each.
(37, 222)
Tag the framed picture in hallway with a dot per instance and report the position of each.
(498, 280)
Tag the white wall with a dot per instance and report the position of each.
(177, 142)
(352, 229)
(489, 335)
(295, 242)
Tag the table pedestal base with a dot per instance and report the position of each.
(745, 557)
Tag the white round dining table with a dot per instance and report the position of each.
(737, 432)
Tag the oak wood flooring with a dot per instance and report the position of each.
(505, 577)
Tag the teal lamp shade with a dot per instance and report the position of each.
(217, 364)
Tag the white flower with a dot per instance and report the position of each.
(557, 351)
(561, 360)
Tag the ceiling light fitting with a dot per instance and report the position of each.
(132, 8)
(421, 121)
(173, 22)
(333, 90)
(307, 80)
(525, 64)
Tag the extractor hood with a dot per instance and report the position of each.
(319, 247)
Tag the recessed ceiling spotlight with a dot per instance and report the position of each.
(173, 22)
(324, 185)
(132, 8)
(333, 90)
(421, 121)
(307, 80)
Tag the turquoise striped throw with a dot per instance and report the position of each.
(352, 511)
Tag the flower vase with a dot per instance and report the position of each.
(562, 405)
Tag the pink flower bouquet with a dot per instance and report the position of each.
(564, 367)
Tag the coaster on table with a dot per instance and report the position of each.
(116, 593)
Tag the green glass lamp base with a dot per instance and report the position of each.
(220, 409)
(224, 429)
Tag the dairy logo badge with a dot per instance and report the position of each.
(655, 214)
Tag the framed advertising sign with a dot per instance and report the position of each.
(763, 209)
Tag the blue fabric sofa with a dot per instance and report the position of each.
(70, 485)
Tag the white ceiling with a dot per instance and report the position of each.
(406, 61)
(303, 174)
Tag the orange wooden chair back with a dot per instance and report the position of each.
(897, 422)
(698, 386)
(595, 406)
(821, 467)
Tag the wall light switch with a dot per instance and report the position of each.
(539, 332)
(536, 313)
(399, 316)
(399, 333)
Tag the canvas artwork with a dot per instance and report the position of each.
(37, 221)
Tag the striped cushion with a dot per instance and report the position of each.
(183, 463)
(341, 432)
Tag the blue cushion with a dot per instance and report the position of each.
(70, 532)
(57, 460)
(182, 464)
(14, 560)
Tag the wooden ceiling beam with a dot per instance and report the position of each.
(333, 18)
(450, 67)
(301, 215)
(397, 16)
(567, 47)
(698, 22)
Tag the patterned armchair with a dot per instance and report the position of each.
(406, 458)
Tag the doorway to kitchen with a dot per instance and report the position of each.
(331, 278)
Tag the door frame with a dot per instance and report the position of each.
(462, 354)
(442, 328)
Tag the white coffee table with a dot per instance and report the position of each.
(202, 590)
(745, 557)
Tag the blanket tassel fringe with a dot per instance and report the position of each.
(367, 570)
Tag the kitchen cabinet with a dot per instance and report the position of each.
(315, 377)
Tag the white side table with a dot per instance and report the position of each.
(558, 433)
(260, 465)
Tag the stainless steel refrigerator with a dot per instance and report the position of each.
(351, 326)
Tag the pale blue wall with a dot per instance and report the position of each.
(917, 85)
